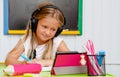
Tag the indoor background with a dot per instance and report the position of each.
(101, 24)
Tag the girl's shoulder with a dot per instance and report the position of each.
(27, 39)
(57, 40)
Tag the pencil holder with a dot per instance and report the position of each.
(96, 65)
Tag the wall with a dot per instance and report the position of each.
(101, 23)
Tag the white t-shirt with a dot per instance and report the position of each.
(40, 48)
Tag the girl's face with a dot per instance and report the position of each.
(46, 29)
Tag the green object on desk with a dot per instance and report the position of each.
(2, 67)
(48, 74)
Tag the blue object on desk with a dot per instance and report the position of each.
(100, 57)
(26, 58)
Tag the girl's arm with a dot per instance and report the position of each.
(14, 54)
(63, 47)
(43, 63)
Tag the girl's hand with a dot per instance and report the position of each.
(42, 62)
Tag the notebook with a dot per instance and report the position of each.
(69, 63)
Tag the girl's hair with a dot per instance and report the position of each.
(46, 12)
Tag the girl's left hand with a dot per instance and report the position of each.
(42, 62)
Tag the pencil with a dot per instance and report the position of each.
(25, 58)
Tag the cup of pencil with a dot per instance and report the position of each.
(96, 65)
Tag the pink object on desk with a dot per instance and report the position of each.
(68, 60)
(20, 69)
(69, 63)
(93, 66)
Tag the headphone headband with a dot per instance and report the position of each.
(47, 6)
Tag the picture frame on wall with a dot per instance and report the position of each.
(18, 12)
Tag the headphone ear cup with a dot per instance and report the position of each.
(59, 31)
(34, 23)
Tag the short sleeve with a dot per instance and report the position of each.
(56, 43)
(26, 45)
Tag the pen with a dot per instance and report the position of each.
(100, 57)
(26, 58)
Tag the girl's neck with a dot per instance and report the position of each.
(41, 42)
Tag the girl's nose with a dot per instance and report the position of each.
(48, 32)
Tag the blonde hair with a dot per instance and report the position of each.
(51, 12)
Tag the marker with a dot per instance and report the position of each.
(100, 57)
(26, 58)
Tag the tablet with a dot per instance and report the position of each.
(69, 63)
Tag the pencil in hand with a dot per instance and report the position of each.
(25, 58)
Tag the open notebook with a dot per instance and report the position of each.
(47, 68)
(69, 63)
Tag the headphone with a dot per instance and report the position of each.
(34, 21)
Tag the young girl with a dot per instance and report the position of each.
(40, 43)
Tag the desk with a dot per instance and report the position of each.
(47, 74)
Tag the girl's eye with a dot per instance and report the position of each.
(54, 29)
(44, 26)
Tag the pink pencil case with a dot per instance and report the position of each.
(20, 69)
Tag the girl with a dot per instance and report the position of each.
(40, 43)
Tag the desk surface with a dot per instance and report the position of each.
(47, 74)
